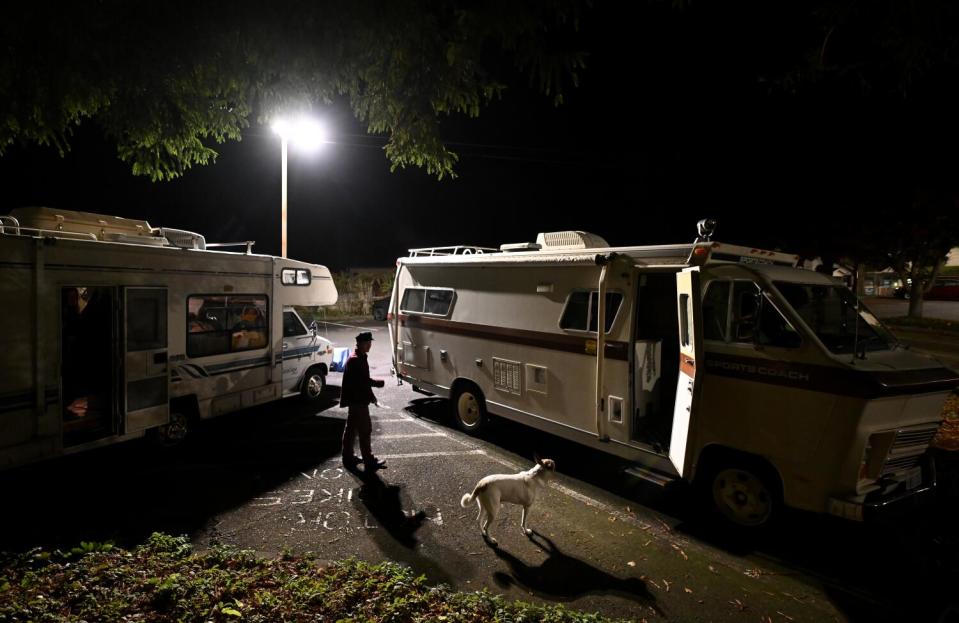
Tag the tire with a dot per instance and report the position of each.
(469, 409)
(175, 433)
(743, 494)
(314, 383)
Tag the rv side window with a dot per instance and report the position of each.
(427, 301)
(684, 317)
(295, 277)
(716, 310)
(292, 326)
(413, 299)
(582, 311)
(146, 319)
(438, 301)
(757, 321)
(226, 324)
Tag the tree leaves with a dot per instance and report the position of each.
(168, 81)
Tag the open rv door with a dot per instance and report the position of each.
(690, 363)
(146, 370)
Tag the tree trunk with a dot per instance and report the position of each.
(916, 292)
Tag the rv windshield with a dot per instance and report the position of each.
(830, 311)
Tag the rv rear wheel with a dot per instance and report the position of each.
(313, 384)
(174, 433)
(469, 409)
(743, 495)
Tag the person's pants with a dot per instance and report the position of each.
(358, 423)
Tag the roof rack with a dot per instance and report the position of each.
(454, 250)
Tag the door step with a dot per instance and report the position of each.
(653, 477)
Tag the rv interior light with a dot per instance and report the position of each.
(544, 288)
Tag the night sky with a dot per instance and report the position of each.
(671, 124)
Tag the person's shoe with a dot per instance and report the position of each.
(350, 462)
(375, 464)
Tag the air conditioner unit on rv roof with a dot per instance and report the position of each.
(553, 240)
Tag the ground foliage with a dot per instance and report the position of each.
(166, 580)
(948, 436)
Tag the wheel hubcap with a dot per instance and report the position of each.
(742, 497)
(468, 409)
(176, 430)
(314, 385)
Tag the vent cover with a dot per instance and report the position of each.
(570, 240)
(507, 376)
(182, 239)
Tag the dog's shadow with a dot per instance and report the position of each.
(383, 502)
(565, 578)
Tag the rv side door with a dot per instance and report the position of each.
(146, 371)
(691, 364)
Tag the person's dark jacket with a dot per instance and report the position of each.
(357, 385)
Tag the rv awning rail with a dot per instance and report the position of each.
(247, 243)
(19, 230)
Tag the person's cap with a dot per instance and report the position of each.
(366, 336)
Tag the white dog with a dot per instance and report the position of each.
(522, 488)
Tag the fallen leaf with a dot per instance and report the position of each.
(681, 552)
(711, 569)
(666, 582)
(784, 615)
(647, 543)
(688, 590)
(738, 604)
(631, 563)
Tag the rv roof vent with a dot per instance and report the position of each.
(520, 246)
(182, 238)
(570, 240)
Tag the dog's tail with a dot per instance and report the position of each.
(469, 497)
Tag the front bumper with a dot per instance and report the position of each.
(892, 504)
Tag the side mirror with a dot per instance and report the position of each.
(313, 327)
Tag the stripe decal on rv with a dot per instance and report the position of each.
(539, 339)
(197, 371)
(832, 379)
(299, 352)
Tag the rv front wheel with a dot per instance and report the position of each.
(743, 495)
(313, 384)
(469, 409)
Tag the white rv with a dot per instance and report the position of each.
(116, 329)
(716, 364)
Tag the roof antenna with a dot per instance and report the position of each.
(705, 229)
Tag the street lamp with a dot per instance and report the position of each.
(306, 134)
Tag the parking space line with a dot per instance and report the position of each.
(425, 455)
(411, 436)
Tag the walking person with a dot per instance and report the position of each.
(357, 396)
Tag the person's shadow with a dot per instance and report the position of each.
(383, 502)
(562, 577)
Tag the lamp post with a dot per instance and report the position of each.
(306, 134)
